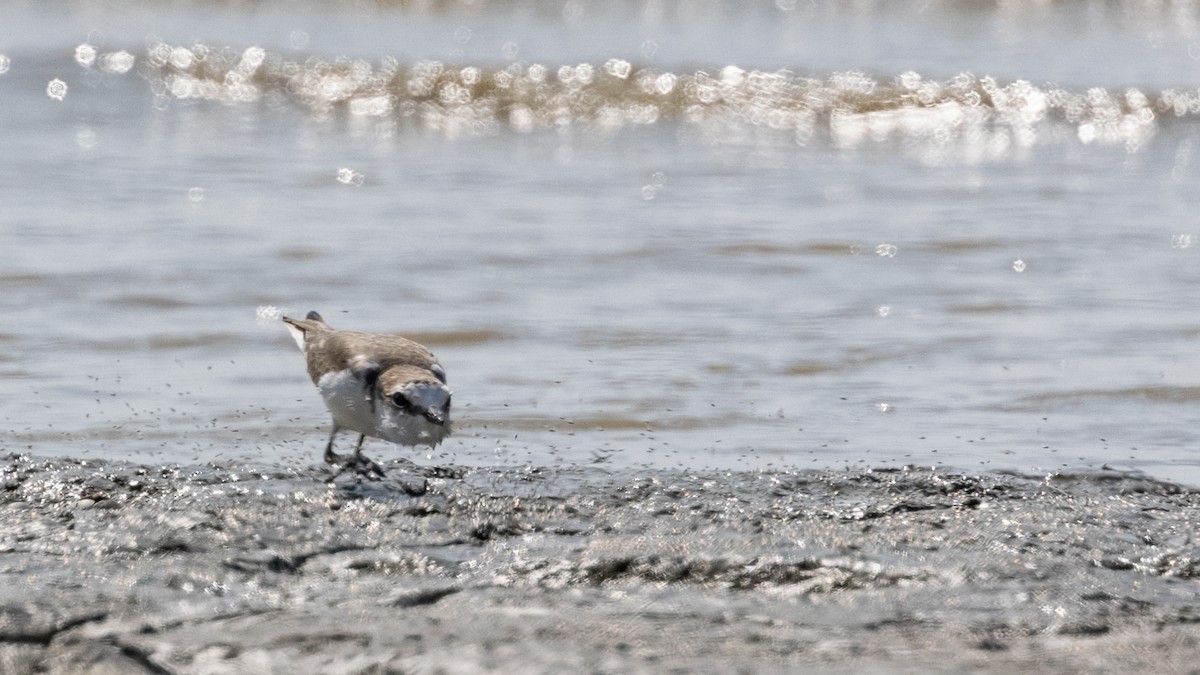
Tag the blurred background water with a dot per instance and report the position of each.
(668, 233)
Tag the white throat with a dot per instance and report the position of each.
(353, 410)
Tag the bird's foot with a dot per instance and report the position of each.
(359, 464)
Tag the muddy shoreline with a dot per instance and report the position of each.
(119, 567)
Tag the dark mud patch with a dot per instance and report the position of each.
(230, 568)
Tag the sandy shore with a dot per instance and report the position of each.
(115, 567)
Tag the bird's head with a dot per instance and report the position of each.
(418, 400)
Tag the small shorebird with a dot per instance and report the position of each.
(379, 385)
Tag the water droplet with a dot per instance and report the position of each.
(85, 55)
(5, 63)
(885, 407)
(1018, 265)
(196, 195)
(649, 192)
(510, 50)
(649, 49)
(56, 89)
(886, 250)
(462, 35)
(658, 179)
(1181, 241)
(884, 310)
(267, 314)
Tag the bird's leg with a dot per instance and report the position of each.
(330, 456)
(363, 464)
(358, 463)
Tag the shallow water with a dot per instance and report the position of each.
(676, 234)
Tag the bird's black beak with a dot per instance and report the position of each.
(435, 416)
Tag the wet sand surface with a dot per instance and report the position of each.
(116, 567)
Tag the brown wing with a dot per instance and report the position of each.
(338, 350)
(326, 349)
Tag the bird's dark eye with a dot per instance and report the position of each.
(401, 401)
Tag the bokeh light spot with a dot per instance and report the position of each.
(347, 176)
(298, 39)
(56, 89)
(118, 63)
(85, 55)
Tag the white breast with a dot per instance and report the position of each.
(347, 400)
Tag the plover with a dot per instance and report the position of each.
(379, 385)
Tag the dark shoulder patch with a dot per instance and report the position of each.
(370, 379)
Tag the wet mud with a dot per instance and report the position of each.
(117, 567)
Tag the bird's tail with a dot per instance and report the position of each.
(301, 328)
